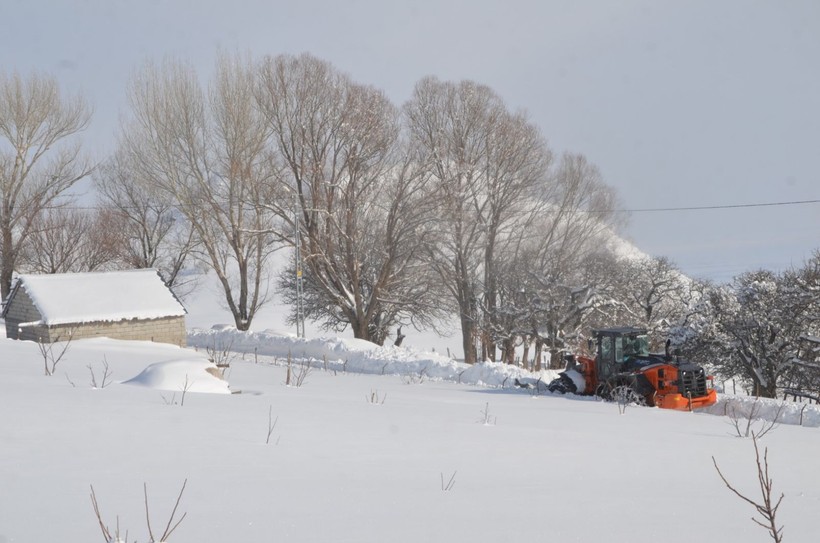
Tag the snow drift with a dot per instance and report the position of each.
(187, 375)
(360, 356)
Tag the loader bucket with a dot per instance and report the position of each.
(684, 403)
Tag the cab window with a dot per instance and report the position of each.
(606, 349)
(619, 349)
(605, 366)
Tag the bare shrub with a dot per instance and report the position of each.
(749, 423)
(297, 374)
(450, 483)
(768, 507)
(271, 425)
(106, 531)
(416, 378)
(173, 399)
(301, 373)
(185, 386)
(116, 536)
(169, 528)
(105, 376)
(221, 354)
(50, 358)
(375, 399)
(486, 418)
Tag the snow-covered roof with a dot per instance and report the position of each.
(69, 298)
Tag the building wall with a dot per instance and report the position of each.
(165, 330)
(22, 310)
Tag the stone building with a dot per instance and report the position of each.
(133, 304)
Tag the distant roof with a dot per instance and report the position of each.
(67, 298)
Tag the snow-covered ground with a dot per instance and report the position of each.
(362, 450)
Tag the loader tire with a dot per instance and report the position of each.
(626, 395)
(562, 385)
(604, 391)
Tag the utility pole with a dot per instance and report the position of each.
(300, 307)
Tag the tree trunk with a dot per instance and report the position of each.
(468, 331)
(7, 271)
(6, 276)
(509, 350)
(525, 363)
(556, 363)
(399, 338)
(490, 301)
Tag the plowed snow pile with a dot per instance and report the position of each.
(359, 356)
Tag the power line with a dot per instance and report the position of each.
(701, 208)
(636, 210)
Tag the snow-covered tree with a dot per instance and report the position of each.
(650, 293)
(657, 293)
(752, 328)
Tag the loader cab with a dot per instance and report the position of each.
(617, 349)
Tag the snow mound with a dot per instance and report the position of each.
(360, 356)
(182, 375)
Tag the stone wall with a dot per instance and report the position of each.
(22, 310)
(165, 330)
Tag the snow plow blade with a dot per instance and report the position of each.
(680, 402)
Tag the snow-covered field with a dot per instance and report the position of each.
(364, 450)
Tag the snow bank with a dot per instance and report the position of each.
(360, 356)
(765, 410)
(182, 375)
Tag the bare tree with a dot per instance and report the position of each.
(485, 163)
(66, 240)
(360, 198)
(516, 168)
(153, 234)
(501, 207)
(38, 162)
(563, 254)
(207, 151)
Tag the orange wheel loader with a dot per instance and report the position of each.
(624, 370)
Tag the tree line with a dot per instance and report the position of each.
(450, 205)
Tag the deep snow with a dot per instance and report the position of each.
(341, 467)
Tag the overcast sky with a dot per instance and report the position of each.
(680, 104)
